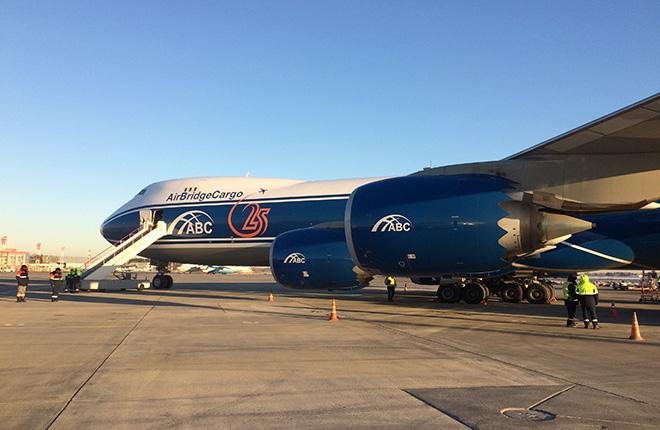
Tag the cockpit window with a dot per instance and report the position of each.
(142, 191)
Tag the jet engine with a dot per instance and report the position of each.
(423, 226)
(315, 258)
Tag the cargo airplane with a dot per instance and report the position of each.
(584, 200)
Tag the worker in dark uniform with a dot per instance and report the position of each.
(55, 278)
(570, 299)
(390, 283)
(22, 278)
(76, 279)
(69, 281)
(588, 294)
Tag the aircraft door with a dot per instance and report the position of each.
(150, 216)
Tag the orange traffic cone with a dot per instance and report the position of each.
(634, 333)
(333, 312)
(270, 297)
(613, 312)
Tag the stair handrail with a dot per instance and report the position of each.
(135, 236)
(84, 266)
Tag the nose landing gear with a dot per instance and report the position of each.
(162, 281)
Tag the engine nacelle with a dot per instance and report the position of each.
(315, 258)
(424, 226)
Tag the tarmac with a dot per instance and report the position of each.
(214, 353)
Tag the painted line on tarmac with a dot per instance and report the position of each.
(89, 378)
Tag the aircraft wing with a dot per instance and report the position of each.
(632, 130)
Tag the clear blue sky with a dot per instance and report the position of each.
(98, 99)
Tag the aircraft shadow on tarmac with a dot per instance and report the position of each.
(405, 302)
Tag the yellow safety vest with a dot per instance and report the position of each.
(586, 288)
(567, 294)
(390, 281)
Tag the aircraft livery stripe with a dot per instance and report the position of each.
(598, 254)
(209, 245)
(210, 240)
(233, 202)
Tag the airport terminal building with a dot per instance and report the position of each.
(10, 258)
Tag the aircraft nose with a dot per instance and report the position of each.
(116, 228)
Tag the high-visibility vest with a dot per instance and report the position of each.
(585, 287)
(567, 294)
(390, 281)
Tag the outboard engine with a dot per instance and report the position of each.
(315, 258)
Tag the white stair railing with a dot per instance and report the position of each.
(103, 264)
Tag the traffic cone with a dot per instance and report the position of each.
(613, 312)
(270, 297)
(634, 333)
(333, 312)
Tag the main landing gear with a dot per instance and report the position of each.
(162, 281)
(511, 289)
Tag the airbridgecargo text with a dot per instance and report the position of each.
(191, 194)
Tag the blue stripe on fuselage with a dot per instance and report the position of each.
(265, 217)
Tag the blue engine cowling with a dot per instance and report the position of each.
(315, 258)
(424, 226)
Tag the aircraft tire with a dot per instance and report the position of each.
(449, 293)
(158, 282)
(511, 292)
(550, 297)
(474, 293)
(168, 281)
(536, 293)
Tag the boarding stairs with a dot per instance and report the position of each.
(104, 264)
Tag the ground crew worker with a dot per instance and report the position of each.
(69, 280)
(76, 279)
(22, 278)
(55, 278)
(588, 294)
(570, 299)
(390, 283)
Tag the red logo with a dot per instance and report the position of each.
(256, 222)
